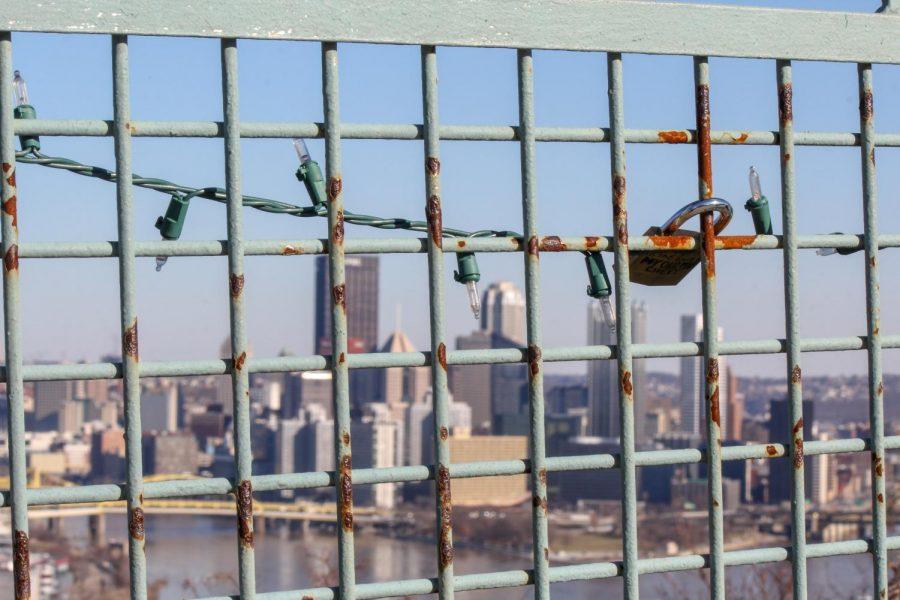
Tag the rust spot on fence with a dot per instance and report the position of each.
(673, 242)
(546, 553)
(442, 355)
(539, 502)
(131, 128)
(627, 387)
(880, 389)
(712, 371)
(534, 360)
(9, 207)
(620, 216)
(740, 139)
(872, 261)
(771, 450)
(130, 341)
(715, 503)
(704, 150)
(445, 502)
(714, 413)
(435, 219)
(552, 243)
(881, 498)
(432, 165)
(673, 137)
(460, 243)
(796, 374)
(542, 476)
(878, 464)
(785, 103)
(237, 285)
(345, 437)
(787, 157)
(11, 258)
(346, 491)
(736, 242)
(444, 433)
(239, 361)
(335, 185)
(798, 453)
(866, 106)
(337, 294)
(533, 246)
(342, 358)
(797, 426)
(21, 565)
(136, 524)
(591, 242)
(290, 250)
(244, 497)
(337, 234)
(709, 244)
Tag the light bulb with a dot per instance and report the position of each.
(755, 191)
(474, 300)
(609, 315)
(161, 262)
(826, 251)
(20, 89)
(302, 150)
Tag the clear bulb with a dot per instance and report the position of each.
(20, 89)
(161, 262)
(302, 150)
(474, 300)
(755, 190)
(609, 314)
(826, 251)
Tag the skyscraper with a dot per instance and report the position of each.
(472, 383)
(603, 375)
(361, 296)
(503, 311)
(780, 469)
(401, 386)
(693, 381)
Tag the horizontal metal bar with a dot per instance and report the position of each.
(289, 364)
(390, 131)
(571, 25)
(560, 574)
(414, 245)
(218, 486)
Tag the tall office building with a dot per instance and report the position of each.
(402, 386)
(780, 469)
(361, 297)
(377, 442)
(159, 409)
(472, 383)
(693, 381)
(50, 398)
(603, 375)
(503, 312)
(735, 401)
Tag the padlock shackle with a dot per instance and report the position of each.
(698, 208)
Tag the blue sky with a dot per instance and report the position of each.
(70, 308)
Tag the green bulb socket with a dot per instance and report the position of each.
(468, 268)
(598, 279)
(28, 142)
(762, 219)
(311, 176)
(172, 223)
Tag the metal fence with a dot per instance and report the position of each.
(587, 25)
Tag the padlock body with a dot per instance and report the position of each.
(663, 267)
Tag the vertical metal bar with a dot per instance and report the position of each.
(18, 474)
(710, 334)
(540, 542)
(240, 387)
(137, 561)
(792, 327)
(443, 497)
(341, 392)
(623, 318)
(873, 318)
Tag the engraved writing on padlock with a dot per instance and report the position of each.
(668, 267)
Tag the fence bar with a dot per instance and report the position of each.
(18, 474)
(540, 544)
(441, 421)
(710, 336)
(340, 374)
(623, 318)
(873, 324)
(137, 561)
(240, 386)
(792, 328)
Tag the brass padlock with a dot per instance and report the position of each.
(668, 267)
